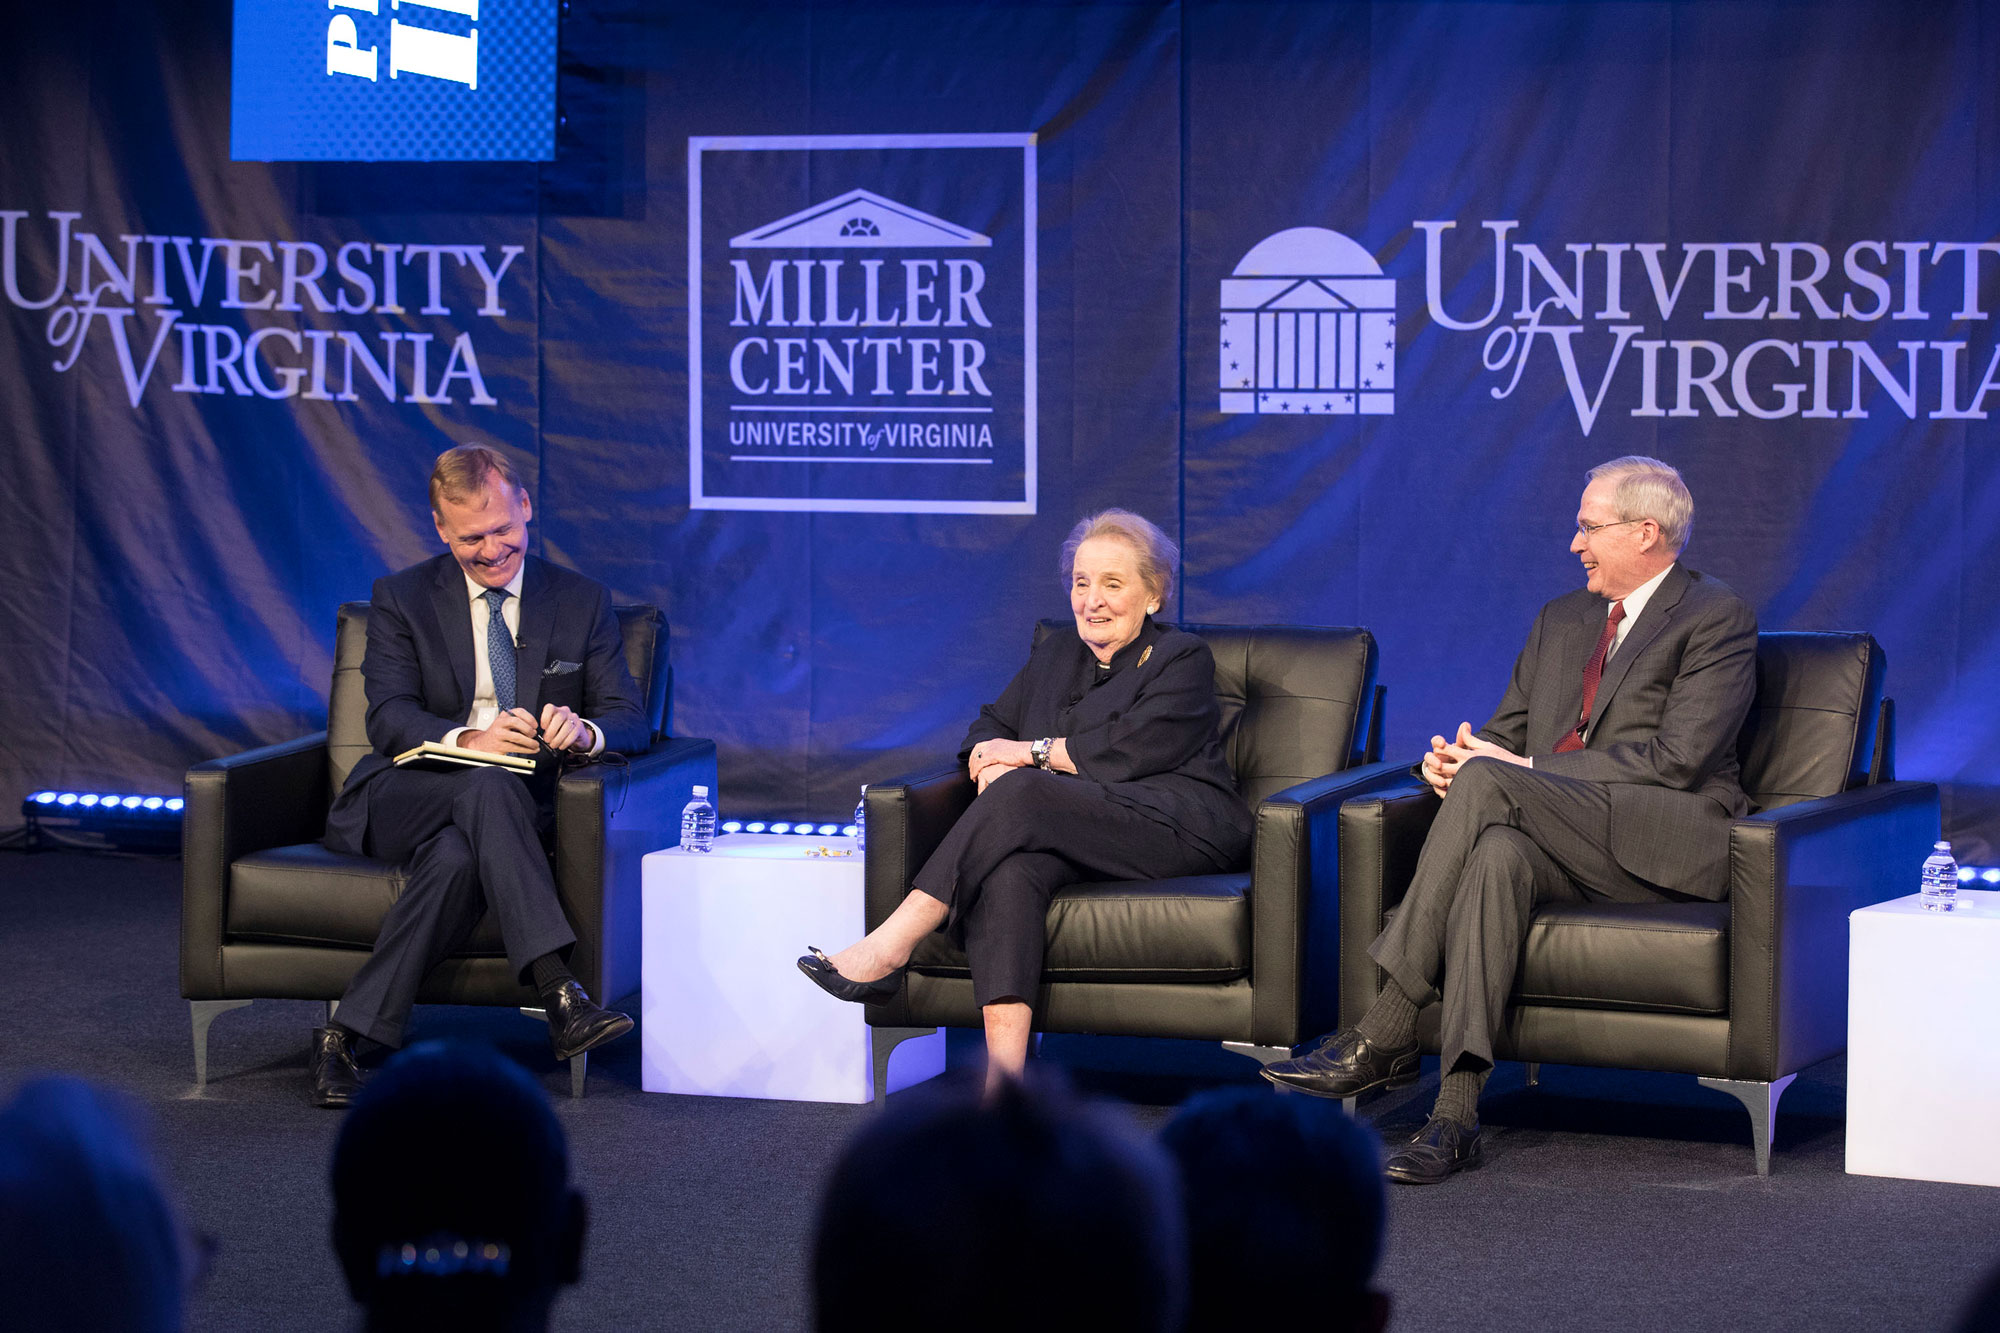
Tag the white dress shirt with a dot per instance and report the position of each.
(485, 706)
(1635, 602)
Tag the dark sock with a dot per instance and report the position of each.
(548, 972)
(1458, 1094)
(1392, 1020)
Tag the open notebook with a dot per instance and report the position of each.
(441, 758)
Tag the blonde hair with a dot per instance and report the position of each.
(465, 470)
(1648, 488)
(1158, 556)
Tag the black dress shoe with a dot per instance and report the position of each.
(577, 1023)
(335, 1076)
(821, 969)
(1440, 1148)
(1347, 1064)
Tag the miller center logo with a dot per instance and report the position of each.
(873, 350)
(1308, 327)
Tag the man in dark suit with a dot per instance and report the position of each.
(490, 649)
(1608, 773)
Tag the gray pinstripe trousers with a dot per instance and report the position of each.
(1506, 839)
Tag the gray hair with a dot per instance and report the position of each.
(1158, 556)
(1648, 488)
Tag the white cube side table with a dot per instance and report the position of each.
(726, 1011)
(1923, 1040)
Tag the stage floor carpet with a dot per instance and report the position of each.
(1608, 1200)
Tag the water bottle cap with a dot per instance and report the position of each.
(1942, 847)
(701, 791)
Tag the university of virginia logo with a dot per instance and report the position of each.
(1308, 326)
(873, 350)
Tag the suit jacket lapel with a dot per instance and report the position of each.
(538, 622)
(1659, 609)
(453, 608)
(1579, 638)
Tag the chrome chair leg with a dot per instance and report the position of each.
(882, 1043)
(1534, 1071)
(1761, 1101)
(203, 1013)
(577, 1063)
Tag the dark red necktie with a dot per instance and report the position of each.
(1593, 672)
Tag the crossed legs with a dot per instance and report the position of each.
(990, 882)
(468, 845)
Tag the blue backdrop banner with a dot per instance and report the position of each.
(826, 321)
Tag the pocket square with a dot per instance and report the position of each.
(561, 668)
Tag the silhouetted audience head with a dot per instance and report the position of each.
(88, 1240)
(451, 1195)
(1027, 1211)
(1285, 1213)
(1982, 1311)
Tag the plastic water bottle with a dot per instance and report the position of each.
(861, 821)
(1940, 879)
(698, 823)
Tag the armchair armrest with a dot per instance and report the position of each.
(1796, 872)
(273, 796)
(907, 819)
(607, 819)
(1295, 902)
(1381, 837)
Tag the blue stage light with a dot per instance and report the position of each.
(1991, 874)
(849, 831)
(130, 820)
(781, 828)
(754, 826)
(828, 830)
(732, 826)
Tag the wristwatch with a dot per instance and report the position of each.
(1039, 751)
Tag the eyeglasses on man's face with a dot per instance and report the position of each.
(1589, 530)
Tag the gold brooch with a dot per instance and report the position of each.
(1143, 656)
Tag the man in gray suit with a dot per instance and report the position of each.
(1608, 773)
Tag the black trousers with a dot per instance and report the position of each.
(1506, 839)
(468, 843)
(1028, 834)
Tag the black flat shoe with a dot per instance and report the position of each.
(824, 975)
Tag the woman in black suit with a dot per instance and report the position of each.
(1100, 760)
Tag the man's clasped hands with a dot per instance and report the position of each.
(1441, 765)
(515, 732)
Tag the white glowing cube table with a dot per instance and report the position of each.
(1923, 1040)
(726, 1011)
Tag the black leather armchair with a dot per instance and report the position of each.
(267, 912)
(1742, 993)
(1246, 959)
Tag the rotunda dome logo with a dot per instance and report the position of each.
(1308, 327)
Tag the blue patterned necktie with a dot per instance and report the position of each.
(499, 649)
